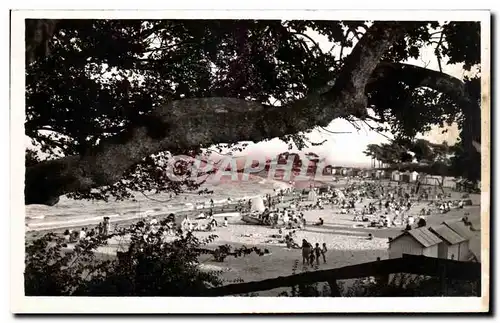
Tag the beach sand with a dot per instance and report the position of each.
(347, 244)
(346, 241)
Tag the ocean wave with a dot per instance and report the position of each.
(69, 223)
(40, 217)
(35, 217)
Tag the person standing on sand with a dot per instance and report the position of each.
(83, 234)
(323, 252)
(411, 220)
(107, 226)
(317, 252)
(306, 251)
(67, 235)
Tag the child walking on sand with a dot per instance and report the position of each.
(311, 257)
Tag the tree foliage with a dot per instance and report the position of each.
(419, 155)
(149, 265)
(104, 79)
(424, 156)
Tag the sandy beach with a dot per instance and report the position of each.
(347, 242)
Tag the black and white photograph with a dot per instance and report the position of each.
(240, 156)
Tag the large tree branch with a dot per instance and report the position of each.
(191, 123)
(306, 47)
(416, 77)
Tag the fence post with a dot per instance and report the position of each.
(443, 279)
(334, 288)
(477, 287)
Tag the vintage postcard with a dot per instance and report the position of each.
(246, 161)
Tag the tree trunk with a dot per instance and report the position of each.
(441, 184)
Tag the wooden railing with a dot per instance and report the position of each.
(410, 264)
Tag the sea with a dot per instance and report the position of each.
(80, 213)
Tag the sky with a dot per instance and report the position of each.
(346, 149)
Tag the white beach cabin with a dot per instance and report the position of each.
(421, 242)
(413, 176)
(396, 176)
(460, 228)
(382, 174)
(450, 247)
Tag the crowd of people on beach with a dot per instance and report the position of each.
(202, 223)
(310, 253)
(391, 205)
(375, 204)
(371, 203)
(103, 228)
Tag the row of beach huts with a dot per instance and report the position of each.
(395, 176)
(449, 240)
(374, 173)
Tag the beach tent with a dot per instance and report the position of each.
(413, 176)
(312, 196)
(257, 204)
(340, 194)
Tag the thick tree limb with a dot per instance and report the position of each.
(191, 123)
(416, 77)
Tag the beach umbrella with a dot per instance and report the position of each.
(257, 204)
